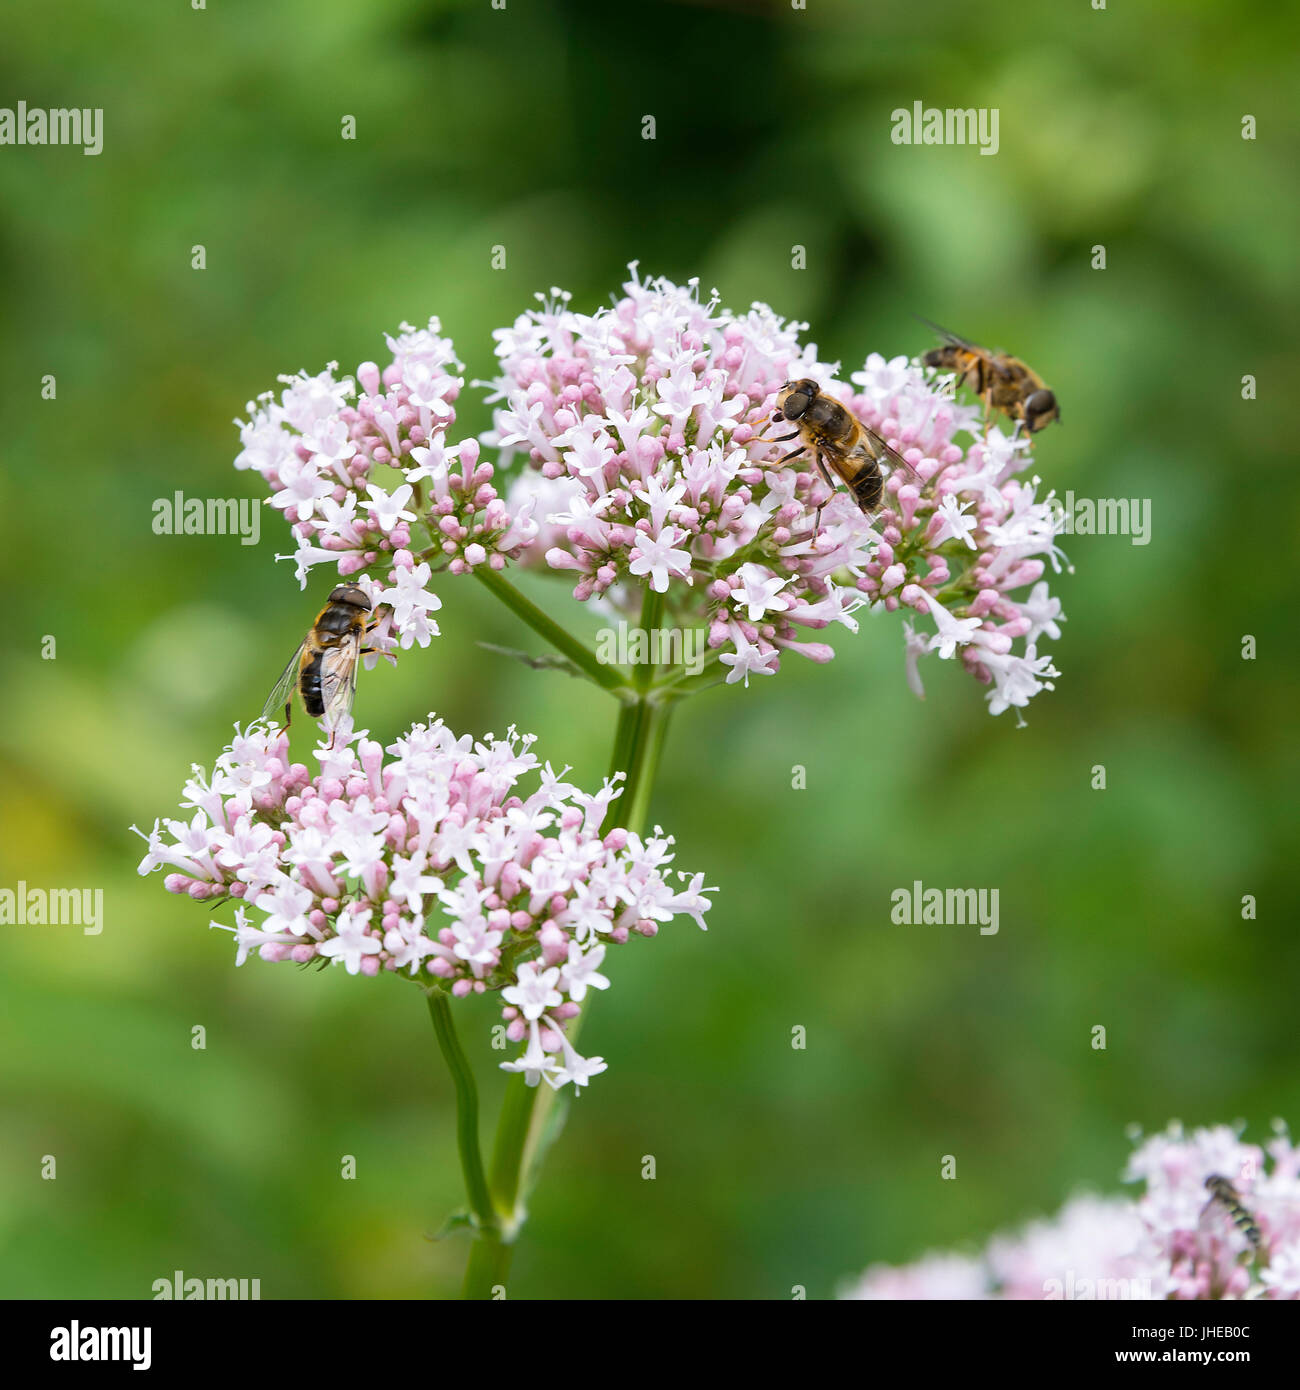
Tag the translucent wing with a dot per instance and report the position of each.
(882, 453)
(338, 678)
(945, 334)
(280, 696)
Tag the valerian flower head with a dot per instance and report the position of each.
(1177, 1240)
(648, 459)
(436, 862)
(355, 463)
(649, 429)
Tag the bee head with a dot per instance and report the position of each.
(1040, 409)
(351, 594)
(795, 397)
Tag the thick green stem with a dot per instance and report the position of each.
(489, 1263)
(652, 612)
(611, 678)
(629, 719)
(635, 801)
(471, 1161)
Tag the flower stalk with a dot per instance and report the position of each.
(471, 1161)
(609, 678)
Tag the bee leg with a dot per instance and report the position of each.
(793, 454)
(288, 714)
(825, 472)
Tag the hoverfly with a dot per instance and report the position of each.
(324, 668)
(1002, 382)
(834, 436)
(1225, 1195)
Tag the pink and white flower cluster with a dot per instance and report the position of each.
(1174, 1241)
(433, 862)
(358, 465)
(649, 427)
(649, 433)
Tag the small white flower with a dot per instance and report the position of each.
(388, 507)
(580, 972)
(759, 592)
(350, 944)
(534, 992)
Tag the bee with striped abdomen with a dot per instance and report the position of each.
(1003, 383)
(324, 668)
(838, 442)
(1225, 1195)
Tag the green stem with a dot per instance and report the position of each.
(629, 717)
(641, 777)
(671, 691)
(489, 1263)
(608, 677)
(652, 613)
(471, 1161)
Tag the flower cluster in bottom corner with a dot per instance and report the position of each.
(432, 861)
(1177, 1240)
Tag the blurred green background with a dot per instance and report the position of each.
(522, 127)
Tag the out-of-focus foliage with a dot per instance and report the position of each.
(522, 128)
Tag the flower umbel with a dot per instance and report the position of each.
(434, 863)
(648, 427)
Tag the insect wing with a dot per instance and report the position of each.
(891, 458)
(282, 693)
(948, 337)
(338, 679)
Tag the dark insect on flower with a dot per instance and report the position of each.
(324, 668)
(838, 441)
(1226, 1196)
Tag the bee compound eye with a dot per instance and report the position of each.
(351, 594)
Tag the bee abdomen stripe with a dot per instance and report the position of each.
(309, 687)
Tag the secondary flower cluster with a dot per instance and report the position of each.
(356, 463)
(433, 862)
(649, 426)
(1177, 1240)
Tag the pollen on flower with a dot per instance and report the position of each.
(436, 862)
(1173, 1241)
